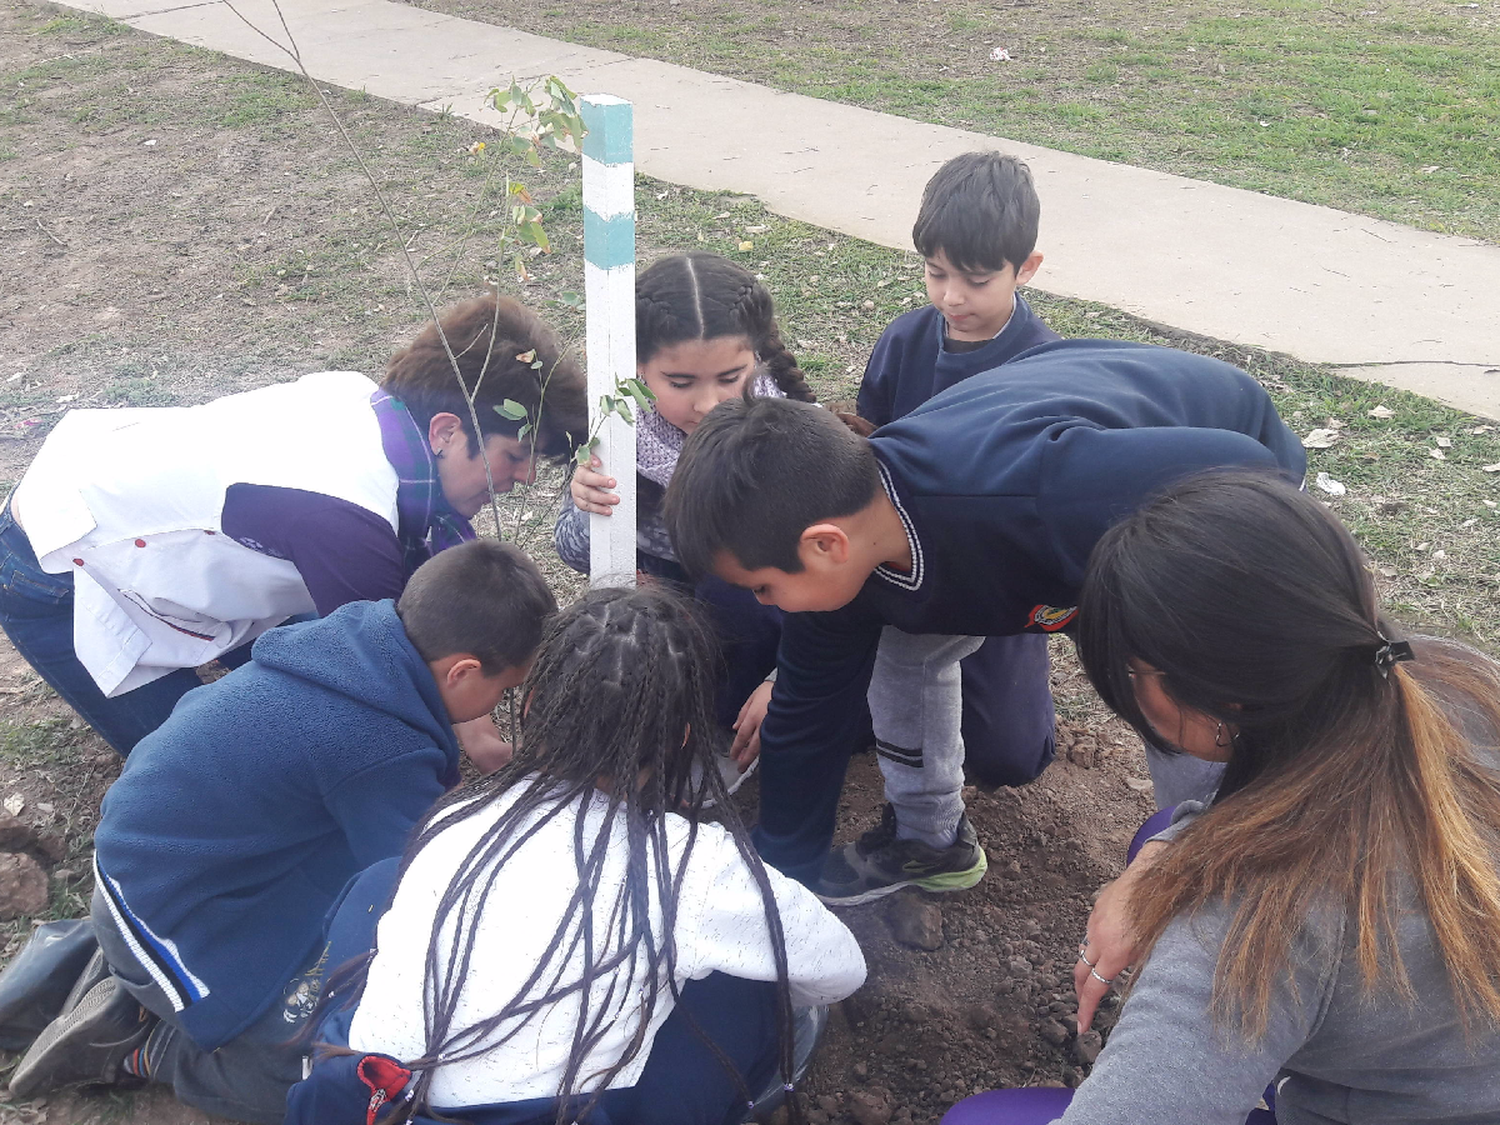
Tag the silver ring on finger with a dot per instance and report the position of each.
(1106, 981)
(1084, 957)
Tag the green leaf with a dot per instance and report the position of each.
(570, 297)
(534, 234)
(641, 400)
(622, 408)
(523, 431)
(511, 409)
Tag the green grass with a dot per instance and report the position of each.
(36, 745)
(1393, 113)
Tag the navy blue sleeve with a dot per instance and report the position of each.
(378, 807)
(344, 553)
(816, 716)
(877, 390)
(1091, 478)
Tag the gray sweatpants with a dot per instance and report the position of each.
(916, 707)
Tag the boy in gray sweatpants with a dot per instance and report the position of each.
(940, 702)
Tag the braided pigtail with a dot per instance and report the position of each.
(700, 296)
(782, 365)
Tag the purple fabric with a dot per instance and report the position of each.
(343, 552)
(1033, 1105)
(426, 524)
(1156, 822)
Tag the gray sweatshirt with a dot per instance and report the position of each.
(1336, 1053)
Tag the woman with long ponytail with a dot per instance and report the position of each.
(1330, 923)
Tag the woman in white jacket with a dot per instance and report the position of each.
(143, 543)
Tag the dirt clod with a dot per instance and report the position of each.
(15, 834)
(871, 1106)
(23, 887)
(1089, 1044)
(915, 923)
(1053, 1032)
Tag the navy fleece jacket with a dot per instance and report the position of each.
(1005, 482)
(909, 364)
(235, 825)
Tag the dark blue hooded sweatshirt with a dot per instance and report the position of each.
(1005, 482)
(909, 364)
(235, 825)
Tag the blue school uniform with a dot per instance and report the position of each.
(909, 364)
(236, 824)
(1005, 482)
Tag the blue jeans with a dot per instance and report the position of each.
(36, 612)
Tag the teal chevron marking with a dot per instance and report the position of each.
(608, 243)
(610, 138)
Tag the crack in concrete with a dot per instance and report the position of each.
(1491, 366)
(167, 11)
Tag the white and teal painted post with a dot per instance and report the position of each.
(609, 292)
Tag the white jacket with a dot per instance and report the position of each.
(130, 502)
(721, 927)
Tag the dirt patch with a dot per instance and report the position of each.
(993, 1004)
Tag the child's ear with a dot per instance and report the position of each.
(824, 544)
(461, 669)
(1028, 269)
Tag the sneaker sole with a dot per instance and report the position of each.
(937, 884)
(30, 1077)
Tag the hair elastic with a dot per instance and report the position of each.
(1390, 653)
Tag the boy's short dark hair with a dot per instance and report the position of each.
(981, 210)
(483, 599)
(755, 474)
(507, 352)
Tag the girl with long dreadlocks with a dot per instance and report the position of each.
(567, 942)
(1330, 923)
(705, 328)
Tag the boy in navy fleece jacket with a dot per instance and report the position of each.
(973, 516)
(235, 825)
(976, 231)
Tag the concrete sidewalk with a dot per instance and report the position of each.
(1405, 307)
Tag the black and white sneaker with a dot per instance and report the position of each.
(879, 863)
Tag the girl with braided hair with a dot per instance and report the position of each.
(567, 942)
(705, 327)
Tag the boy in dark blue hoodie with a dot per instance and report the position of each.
(235, 825)
(976, 231)
(973, 516)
